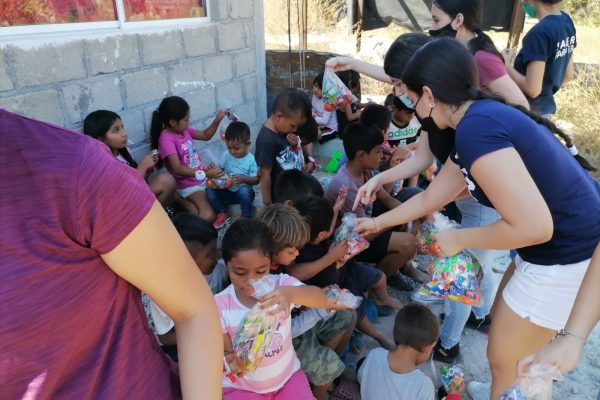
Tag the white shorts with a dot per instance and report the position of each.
(187, 192)
(544, 293)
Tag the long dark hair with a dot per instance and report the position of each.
(171, 108)
(98, 123)
(472, 12)
(401, 51)
(446, 67)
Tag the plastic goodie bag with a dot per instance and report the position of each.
(356, 243)
(223, 182)
(342, 297)
(335, 93)
(456, 277)
(453, 378)
(535, 385)
(254, 334)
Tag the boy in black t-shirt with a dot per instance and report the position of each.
(274, 154)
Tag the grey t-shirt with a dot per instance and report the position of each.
(378, 381)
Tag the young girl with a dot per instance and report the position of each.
(107, 127)
(171, 134)
(247, 250)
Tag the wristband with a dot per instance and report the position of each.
(564, 332)
(573, 150)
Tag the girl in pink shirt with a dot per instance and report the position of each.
(172, 135)
(247, 250)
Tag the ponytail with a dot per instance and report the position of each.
(156, 128)
(477, 94)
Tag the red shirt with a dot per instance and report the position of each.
(70, 328)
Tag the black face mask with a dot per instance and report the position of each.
(444, 31)
(427, 123)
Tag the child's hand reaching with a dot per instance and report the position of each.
(337, 251)
(340, 200)
(238, 179)
(213, 172)
(281, 298)
(221, 114)
(148, 162)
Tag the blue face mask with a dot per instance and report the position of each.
(529, 10)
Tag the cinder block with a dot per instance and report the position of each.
(203, 105)
(145, 86)
(85, 97)
(245, 63)
(229, 94)
(49, 63)
(187, 77)
(218, 69)
(249, 33)
(247, 112)
(43, 105)
(5, 82)
(113, 54)
(241, 9)
(223, 12)
(200, 41)
(250, 87)
(135, 126)
(231, 36)
(161, 47)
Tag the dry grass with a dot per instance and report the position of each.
(578, 103)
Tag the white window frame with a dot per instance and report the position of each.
(120, 25)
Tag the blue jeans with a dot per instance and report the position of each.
(457, 314)
(219, 199)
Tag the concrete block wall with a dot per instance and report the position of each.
(216, 64)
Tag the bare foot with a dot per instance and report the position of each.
(414, 273)
(387, 301)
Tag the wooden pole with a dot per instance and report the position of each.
(359, 24)
(517, 23)
(302, 25)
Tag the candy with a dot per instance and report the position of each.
(456, 277)
(452, 377)
(253, 338)
(536, 384)
(342, 297)
(335, 93)
(430, 172)
(223, 182)
(356, 243)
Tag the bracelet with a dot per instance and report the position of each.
(564, 332)
(573, 150)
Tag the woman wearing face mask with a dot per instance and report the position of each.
(461, 20)
(550, 210)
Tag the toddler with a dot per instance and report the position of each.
(394, 374)
(172, 135)
(239, 164)
(327, 120)
(404, 127)
(248, 250)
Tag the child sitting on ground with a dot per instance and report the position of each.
(307, 135)
(107, 127)
(350, 112)
(390, 250)
(394, 374)
(292, 185)
(316, 264)
(171, 134)
(200, 239)
(404, 127)
(327, 120)
(248, 250)
(318, 348)
(274, 154)
(239, 164)
(379, 116)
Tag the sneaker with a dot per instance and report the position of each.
(481, 325)
(401, 282)
(425, 298)
(327, 134)
(440, 353)
(479, 391)
(220, 220)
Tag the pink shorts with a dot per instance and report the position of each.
(296, 388)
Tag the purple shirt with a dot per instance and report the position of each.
(343, 178)
(183, 146)
(70, 328)
(490, 67)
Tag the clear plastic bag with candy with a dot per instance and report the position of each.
(456, 277)
(342, 297)
(222, 182)
(356, 243)
(453, 378)
(335, 93)
(535, 385)
(254, 334)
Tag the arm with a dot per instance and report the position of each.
(351, 115)
(282, 298)
(387, 200)
(169, 338)
(509, 91)
(181, 291)
(570, 72)
(305, 271)
(265, 184)
(565, 351)
(442, 190)
(530, 83)
(175, 167)
(346, 63)
(148, 162)
(526, 219)
(306, 320)
(209, 132)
